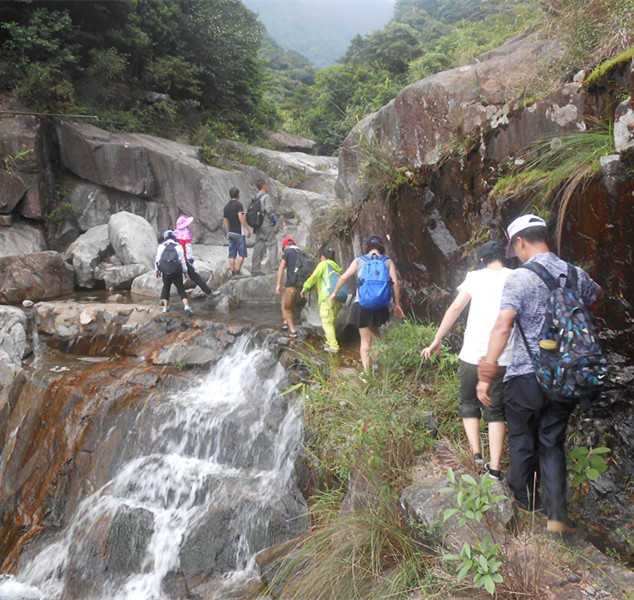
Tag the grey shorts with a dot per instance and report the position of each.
(470, 406)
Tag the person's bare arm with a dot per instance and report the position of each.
(349, 272)
(499, 337)
(243, 221)
(396, 290)
(449, 318)
(280, 274)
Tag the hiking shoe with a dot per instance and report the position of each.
(566, 526)
(285, 327)
(477, 458)
(327, 348)
(166, 309)
(493, 473)
(292, 334)
(189, 310)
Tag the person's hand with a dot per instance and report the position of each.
(248, 233)
(302, 294)
(333, 297)
(398, 311)
(435, 346)
(482, 389)
(158, 274)
(278, 290)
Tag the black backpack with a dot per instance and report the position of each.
(255, 214)
(304, 267)
(569, 364)
(169, 263)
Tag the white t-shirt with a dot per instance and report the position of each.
(485, 288)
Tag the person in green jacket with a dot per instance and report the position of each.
(328, 310)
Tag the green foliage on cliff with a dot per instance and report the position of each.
(157, 60)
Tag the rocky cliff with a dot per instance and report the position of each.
(448, 138)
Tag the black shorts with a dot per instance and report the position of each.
(470, 406)
(362, 317)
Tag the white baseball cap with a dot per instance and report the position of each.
(520, 224)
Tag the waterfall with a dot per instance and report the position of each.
(205, 481)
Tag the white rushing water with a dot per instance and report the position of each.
(226, 445)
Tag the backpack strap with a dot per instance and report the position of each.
(571, 277)
(543, 273)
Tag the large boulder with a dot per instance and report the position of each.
(147, 284)
(20, 238)
(36, 276)
(133, 239)
(423, 123)
(122, 277)
(86, 252)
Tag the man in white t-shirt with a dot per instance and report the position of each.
(483, 288)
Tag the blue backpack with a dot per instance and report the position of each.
(331, 277)
(375, 283)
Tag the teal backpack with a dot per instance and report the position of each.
(331, 277)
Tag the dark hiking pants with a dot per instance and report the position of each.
(536, 438)
(197, 279)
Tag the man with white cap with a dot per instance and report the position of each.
(536, 424)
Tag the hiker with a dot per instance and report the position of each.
(170, 264)
(328, 309)
(183, 235)
(236, 228)
(290, 291)
(536, 424)
(482, 289)
(376, 283)
(265, 238)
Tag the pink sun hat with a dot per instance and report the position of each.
(182, 228)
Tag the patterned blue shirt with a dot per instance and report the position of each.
(526, 294)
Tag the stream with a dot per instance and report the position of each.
(204, 479)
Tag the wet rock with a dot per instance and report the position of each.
(104, 555)
(133, 239)
(259, 289)
(86, 252)
(205, 351)
(36, 276)
(210, 550)
(147, 284)
(121, 278)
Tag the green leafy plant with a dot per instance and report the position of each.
(586, 463)
(473, 500)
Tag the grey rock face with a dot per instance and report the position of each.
(13, 344)
(20, 238)
(97, 203)
(133, 239)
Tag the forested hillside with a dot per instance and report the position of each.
(205, 69)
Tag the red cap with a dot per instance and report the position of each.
(288, 241)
